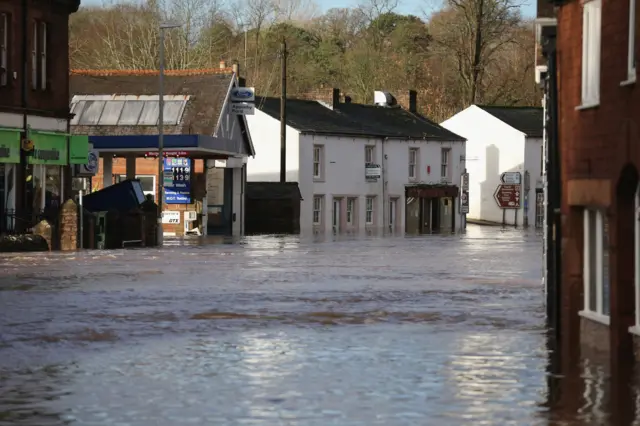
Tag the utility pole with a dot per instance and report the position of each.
(283, 113)
(554, 185)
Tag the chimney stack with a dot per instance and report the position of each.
(409, 101)
(236, 68)
(335, 98)
(223, 65)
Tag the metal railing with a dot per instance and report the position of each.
(13, 223)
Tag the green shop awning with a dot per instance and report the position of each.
(48, 148)
(9, 145)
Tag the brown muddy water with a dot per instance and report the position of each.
(434, 330)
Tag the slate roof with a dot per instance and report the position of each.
(528, 120)
(208, 90)
(273, 191)
(349, 119)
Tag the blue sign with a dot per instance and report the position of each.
(177, 180)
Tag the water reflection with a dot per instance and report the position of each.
(373, 331)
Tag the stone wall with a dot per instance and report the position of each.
(68, 226)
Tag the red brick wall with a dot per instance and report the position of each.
(597, 142)
(55, 100)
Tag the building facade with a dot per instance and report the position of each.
(34, 105)
(599, 142)
(361, 168)
(502, 140)
(203, 138)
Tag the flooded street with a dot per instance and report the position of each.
(442, 330)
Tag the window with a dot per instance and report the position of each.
(317, 209)
(4, 49)
(591, 52)
(317, 161)
(91, 113)
(126, 110)
(596, 263)
(351, 208)
(148, 183)
(413, 163)
(39, 62)
(369, 154)
(369, 211)
(631, 68)
(444, 169)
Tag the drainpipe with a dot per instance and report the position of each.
(383, 176)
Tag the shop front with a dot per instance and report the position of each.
(430, 208)
(47, 154)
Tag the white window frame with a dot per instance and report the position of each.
(369, 154)
(599, 216)
(34, 57)
(4, 49)
(43, 55)
(631, 58)
(317, 209)
(318, 155)
(591, 52)
(369, 210)
(414, 154)
(351, 207)
(445, 154)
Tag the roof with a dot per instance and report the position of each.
(273, 191)
(528, 120)
(207, 90)
(349, 119)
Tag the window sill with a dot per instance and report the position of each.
(593, 316)
(318, 179)
(587, 106)
(628, 82)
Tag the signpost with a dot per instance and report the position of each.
(243, 100)
(464, 200)
(507, 196)
(177, 180)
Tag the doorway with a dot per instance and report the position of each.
(219, 201)
(337, 202)
(393, 206)
(539, 208)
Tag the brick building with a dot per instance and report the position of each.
(599, 142)
(34, 103)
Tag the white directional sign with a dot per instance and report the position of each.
(510, 178)
(243, 108)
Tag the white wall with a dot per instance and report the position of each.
(533, 163)
(492, 147)
(344, 175)
(265, 133)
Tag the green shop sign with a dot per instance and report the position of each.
(78, 149)
(9, 145)
(48, 148)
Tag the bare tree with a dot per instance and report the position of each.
(472, 33)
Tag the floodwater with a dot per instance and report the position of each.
(433, 330)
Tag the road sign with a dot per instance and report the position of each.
(465, 182)
(243, 108)
(464, 202)
(507, 196)
(510, 178)
(243, 94)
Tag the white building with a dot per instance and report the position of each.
(361, 168)
(502, 139)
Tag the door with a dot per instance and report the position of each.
(336, 215)
(220, 216)
(392, 214)
(539, 208)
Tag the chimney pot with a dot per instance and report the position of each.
(236, 68)
(223, 64)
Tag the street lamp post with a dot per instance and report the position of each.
(160, 183)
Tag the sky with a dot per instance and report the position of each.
(415, 7)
